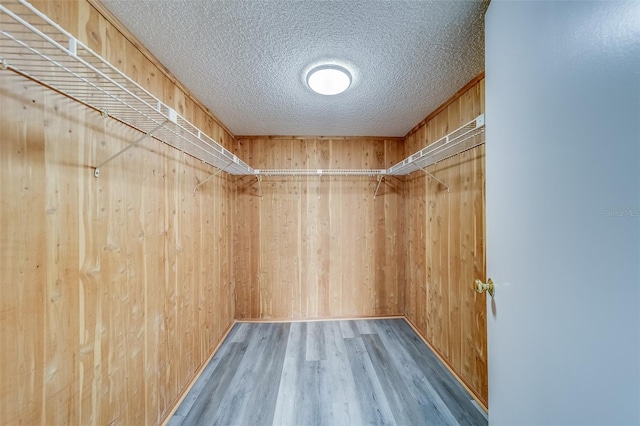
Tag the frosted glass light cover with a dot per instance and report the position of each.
(329, 80)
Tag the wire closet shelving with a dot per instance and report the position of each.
(34, 46)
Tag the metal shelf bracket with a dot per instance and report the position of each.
(436, 179)
(96, 172)
(380, 179)
(207, 179)
(259, 178)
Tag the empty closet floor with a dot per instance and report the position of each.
(326, 373)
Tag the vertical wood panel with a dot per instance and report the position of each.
(114, 291)
(22, 259)
(445, 246)
(123, 285)
(326, 248)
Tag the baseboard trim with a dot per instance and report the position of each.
(196, 376)
(284, 320)
(481, 402)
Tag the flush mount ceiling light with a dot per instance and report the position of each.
(329, 79)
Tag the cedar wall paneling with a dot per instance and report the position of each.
(318, 247)
(445, 247)
(113, 291)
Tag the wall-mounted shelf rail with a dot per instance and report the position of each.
(462, 139)
(34, 46)
(320, 172)
(37, 48)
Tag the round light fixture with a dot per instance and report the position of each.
(329, 79)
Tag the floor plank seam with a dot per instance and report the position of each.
(327, 372)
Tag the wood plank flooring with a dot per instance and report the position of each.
(326, 373)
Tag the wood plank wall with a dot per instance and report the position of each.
(318, 247)
(113, 291)
(445, 246)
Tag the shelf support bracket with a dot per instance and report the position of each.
(96, 172)
(435, 178)
(259, 178)
(380, 179)
(210, 177)
(3, 64)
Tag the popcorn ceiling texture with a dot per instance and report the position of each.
(247, 60)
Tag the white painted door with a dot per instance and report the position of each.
(563, 212)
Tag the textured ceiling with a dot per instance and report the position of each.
(247, 60)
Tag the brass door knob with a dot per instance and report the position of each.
(489, 287)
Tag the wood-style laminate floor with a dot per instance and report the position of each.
(326, 373)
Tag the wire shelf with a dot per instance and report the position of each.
(320, 172)
(462, 139)
(34, 46)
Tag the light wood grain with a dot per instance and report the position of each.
(115, 290)
(314, 247)
(151, 60)
(445, 246)
(446, 103)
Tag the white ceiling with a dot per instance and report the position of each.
(247, 60)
